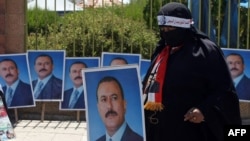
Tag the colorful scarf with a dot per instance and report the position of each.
(155, 80)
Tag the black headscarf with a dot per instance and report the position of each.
(180, 35)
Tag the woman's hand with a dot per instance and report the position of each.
(194, 115)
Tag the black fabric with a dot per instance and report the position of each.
(175, 37)
(176, 10)
(197, 76)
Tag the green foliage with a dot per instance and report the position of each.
(93, 31)
(244, 30)
(130, 28)
(133, 11)
(38, 20)
(150, 11)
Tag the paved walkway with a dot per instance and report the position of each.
(34, 130)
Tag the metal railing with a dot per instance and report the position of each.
(226, 22)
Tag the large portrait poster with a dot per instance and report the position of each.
(16, 81)
(113, 100)
(238, 61)
(73, 83)
(117, 59)
(47, 74)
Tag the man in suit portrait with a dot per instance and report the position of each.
(17, 93)
(74, 97)
(47, 86)
(112, 109)
(118, 61)
(236, 66)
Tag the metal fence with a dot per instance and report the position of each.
(225, 21)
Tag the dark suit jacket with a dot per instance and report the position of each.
(66, 98)
(22, 95)
(129, 135)
(243, 88)
(52, 90)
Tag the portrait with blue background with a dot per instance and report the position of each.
(128, 76)
(89, 61)
(244, 53)
(22, 95)
(58, 57)
(107, 57)
(240, 71)
(22, 64)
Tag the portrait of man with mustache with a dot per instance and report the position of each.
(236, 65)
(73, 98)
(112, 106)
(17, 93)
(47, 86)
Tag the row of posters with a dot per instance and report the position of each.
(106, 87)
(42, 75)
(113, 97)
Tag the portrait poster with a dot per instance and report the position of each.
(145, 63)
(238, 61)
(73, 78)
(107, 58)
(6, 128)
(15, 75)
(130, 83)
(47, 74)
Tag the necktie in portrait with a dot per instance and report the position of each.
(39, 89)
(73, 99)
(9, 96)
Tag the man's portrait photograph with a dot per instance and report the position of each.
(114, 107)
(16, 81)
(47, 74)
(73, 95)
(238, 61)
(118, 59)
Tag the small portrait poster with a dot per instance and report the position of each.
(74, 83)
(145, 63)
(238, 61)
(113, 99)
(47, 74)
(16, 81)
(117, 59)
(6, 128)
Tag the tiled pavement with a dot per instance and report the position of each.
(35, 130)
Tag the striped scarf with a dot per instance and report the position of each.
(155, 80)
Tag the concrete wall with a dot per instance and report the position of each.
(2, 26)
(12, 31)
